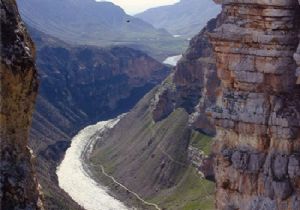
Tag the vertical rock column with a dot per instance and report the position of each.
(257, 114)
(19, 188)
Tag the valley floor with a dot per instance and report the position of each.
(95, 189)
(73, 174)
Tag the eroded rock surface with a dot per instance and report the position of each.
(19, 187)
(257, 113)
(194, 84)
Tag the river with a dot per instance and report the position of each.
(73, 174)
(172, 60)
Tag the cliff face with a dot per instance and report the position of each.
(195, 83)
(257, 113)
(19, 188)
(297, 59)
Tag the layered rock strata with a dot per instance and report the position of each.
(19, 188)
(257, 113)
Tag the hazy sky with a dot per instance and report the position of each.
(136, 6)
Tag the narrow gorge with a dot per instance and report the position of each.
(216, 128)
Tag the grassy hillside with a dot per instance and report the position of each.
(151, 159)
(191, 193)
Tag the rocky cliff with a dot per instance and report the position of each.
(194, 83)
(19, 187)
(257, 113)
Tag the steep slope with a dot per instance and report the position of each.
(79, 86)
(258, 110)
(151, 159)
(19, 187)
(97, 23)
(185, 18)
(156, 150)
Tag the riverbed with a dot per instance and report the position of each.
(73, 174)
(172, 60)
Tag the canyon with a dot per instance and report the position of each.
(75, 83)
(79, 86)
(150, 150)
(220, 131)
(253, 109)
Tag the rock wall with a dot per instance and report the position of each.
(194, 84)
(19, 188)
(297, 59)
(257, 114)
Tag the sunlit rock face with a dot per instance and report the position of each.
(257, 114)
(19, 188)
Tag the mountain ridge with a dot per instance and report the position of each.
(97, 23)
(182, 18)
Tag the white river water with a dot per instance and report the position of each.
(74, 178)
(172, 60)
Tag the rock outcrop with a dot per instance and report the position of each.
(194, 84)
(19, 187)
(257, 113)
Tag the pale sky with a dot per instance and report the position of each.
(135, 6)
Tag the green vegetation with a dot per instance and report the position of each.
(141, 132)
(192, 193)
(201, 142)
(150, 158)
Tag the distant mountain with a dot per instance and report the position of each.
(80, 85)
(96, 23)
(185, 18)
